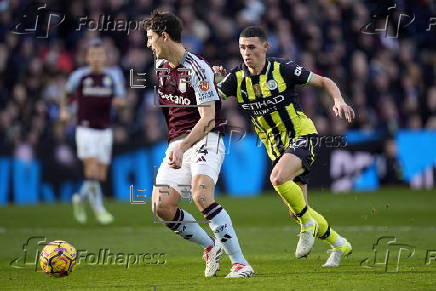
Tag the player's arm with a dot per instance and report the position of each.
(63, 112)
(70, 87)
(204, 125)
(226, 82)
(340, 106)
(119, 99)
(220, 73)
(299, 75)
(206, 96)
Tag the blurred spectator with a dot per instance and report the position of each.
(390, 82)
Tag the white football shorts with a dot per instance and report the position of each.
(94, 143)
(203, 158)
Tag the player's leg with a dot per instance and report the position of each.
(304, 189)
(339, 245)
(96, 195)
(84, 152)
(282, 178)
(170, 184)
(203, 188)
(207, 162)
(165, 205)
(102, 150)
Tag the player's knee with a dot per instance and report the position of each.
(164, 210)
(102, 176)
(277, 178)
(90, 174)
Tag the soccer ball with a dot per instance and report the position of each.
(58, 258)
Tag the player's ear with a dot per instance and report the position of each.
(266, 45)
(165, 36)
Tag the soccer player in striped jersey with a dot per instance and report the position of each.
(265, 89)
(96, 89)
(191, 107)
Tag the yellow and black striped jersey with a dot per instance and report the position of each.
(270, 99)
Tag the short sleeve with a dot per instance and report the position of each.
(295, 73)
(73, 81)
(117, 76)
(202, 81)
(227, 87)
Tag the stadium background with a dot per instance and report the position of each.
(388, 79)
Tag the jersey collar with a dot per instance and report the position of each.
(263, 72)
(183, 60)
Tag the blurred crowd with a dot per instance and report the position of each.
(389, 81)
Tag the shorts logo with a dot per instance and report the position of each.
(201, 159)
(204, 86)
(272, 84)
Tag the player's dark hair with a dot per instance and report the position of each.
(163, 21)
(254, 31)
(94, 43)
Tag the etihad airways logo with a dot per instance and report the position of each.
(263, 103)
(174, 98)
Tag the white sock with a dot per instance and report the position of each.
(191, 230)
(85, 189)
(222, 227)
(339, 242)
(96, 198)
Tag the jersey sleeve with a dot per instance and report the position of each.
(119, 89)
(73, 81)
(202, 81)
(227, 87)
(295, 73)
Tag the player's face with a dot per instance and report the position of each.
(253, 50)
(155, 43)
(96, 57)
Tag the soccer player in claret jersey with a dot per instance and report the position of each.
(265, 89)
(195, 152)
(95, 89)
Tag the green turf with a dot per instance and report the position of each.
(267, 235)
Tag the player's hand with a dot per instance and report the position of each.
(341, 108)
(119, 102)
(64, 115)
(176, 157)
(219, 72)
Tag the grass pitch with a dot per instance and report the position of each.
(266, 233)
